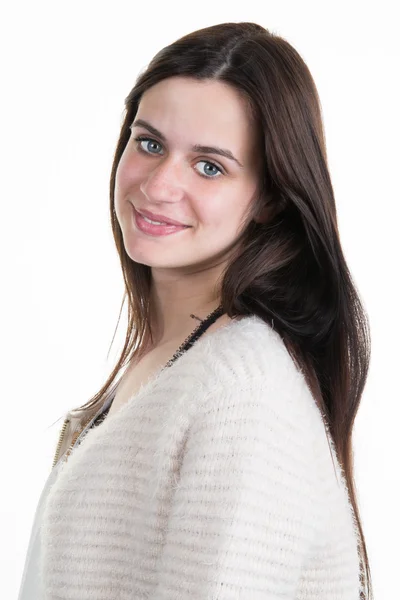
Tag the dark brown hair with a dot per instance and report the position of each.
(289, 269)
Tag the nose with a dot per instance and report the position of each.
(164, 182)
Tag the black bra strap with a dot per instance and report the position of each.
(204, 326)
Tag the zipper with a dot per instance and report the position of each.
(74, 437)
(81, 430)
(60, 440)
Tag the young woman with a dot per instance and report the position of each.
(219, 464)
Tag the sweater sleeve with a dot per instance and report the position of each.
(241, 522)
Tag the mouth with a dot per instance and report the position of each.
(159, 219)
(151, 228)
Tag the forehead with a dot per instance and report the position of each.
(190, 112)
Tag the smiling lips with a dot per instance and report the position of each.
(155, 229)
(160, 218)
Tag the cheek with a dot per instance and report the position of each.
(129, 172)
(228, 208)
(128, 177)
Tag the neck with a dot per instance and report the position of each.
(174, 326)
(175, 297)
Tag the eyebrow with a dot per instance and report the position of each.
(195, 148)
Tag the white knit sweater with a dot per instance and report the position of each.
(214, 482)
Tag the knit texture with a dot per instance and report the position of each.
(216, 481)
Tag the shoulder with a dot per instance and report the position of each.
(248, 344)
(250, 400)
(243, 373)
(250, 356)
(253, 406)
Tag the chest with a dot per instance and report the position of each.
(139, 373)
(142, 370)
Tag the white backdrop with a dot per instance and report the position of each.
(66, 70)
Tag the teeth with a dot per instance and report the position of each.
(154, 222)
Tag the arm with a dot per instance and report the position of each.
(240, 523)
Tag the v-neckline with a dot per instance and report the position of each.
(147, 386)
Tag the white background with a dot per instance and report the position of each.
(66, 70)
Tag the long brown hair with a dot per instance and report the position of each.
(289, 270)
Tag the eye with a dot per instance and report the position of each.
(205, 162)
(139, 139)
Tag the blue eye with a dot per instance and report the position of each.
(211, 165)
(142, 138)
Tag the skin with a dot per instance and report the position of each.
(169, 178)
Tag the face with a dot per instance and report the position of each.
(164, 174)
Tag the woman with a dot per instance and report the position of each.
(219, 465)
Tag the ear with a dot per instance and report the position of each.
(264, 215)
(268, 212)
